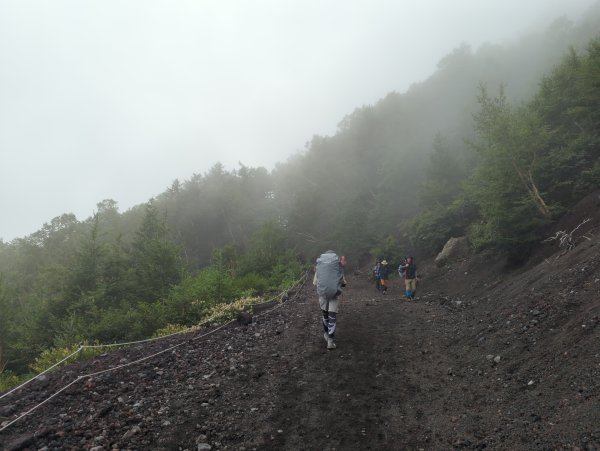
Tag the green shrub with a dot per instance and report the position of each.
(9, 380)
(433, 227)
(589, 179)
(52, 356)
(285, 273)
(221, 313)
(481, 236)
(129, 322)
(170, 329)
(251, 283)
(388, 249)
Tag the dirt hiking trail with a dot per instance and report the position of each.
(479, 361)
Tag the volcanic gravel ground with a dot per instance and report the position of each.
(481, 360)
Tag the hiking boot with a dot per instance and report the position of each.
(330, 343)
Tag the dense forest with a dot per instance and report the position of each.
(495, 146)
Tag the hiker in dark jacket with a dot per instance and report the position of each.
(384, 275)
(409, 269)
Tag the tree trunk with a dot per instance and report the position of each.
(537, 196)
(532, 189)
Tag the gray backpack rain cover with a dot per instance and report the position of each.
(329, 275)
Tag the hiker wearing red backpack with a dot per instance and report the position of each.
(329, 280)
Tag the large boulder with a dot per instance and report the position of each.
(454, 249)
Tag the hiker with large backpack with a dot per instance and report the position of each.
(376, 275)
(329, 280)
(402, 269)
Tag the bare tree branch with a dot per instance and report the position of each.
(566, 241)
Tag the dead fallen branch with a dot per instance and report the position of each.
(567, 241)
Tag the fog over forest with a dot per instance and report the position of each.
(114, 100)
(175, 168)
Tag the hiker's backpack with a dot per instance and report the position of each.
(329, 275)
(402, 270)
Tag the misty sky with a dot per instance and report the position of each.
(116, 99)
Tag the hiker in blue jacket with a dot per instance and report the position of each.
(329, 280)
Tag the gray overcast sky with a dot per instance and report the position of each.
(116, 99)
